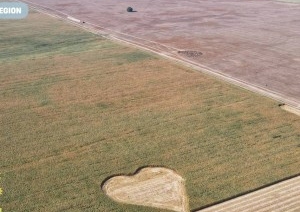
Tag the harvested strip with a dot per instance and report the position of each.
(280, 197)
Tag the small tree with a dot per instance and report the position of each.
(129, 9)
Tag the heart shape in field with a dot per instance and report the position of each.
(152, 186)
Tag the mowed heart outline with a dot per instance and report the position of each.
(152, 186)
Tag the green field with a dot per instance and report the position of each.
(291, 1)
(77, 108)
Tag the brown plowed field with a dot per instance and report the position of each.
(255, 42)
(284, 196)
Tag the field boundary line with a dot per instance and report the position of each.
(245, 193)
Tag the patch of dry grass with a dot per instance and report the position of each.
(76, 108)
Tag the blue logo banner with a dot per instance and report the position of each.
(13, 10)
